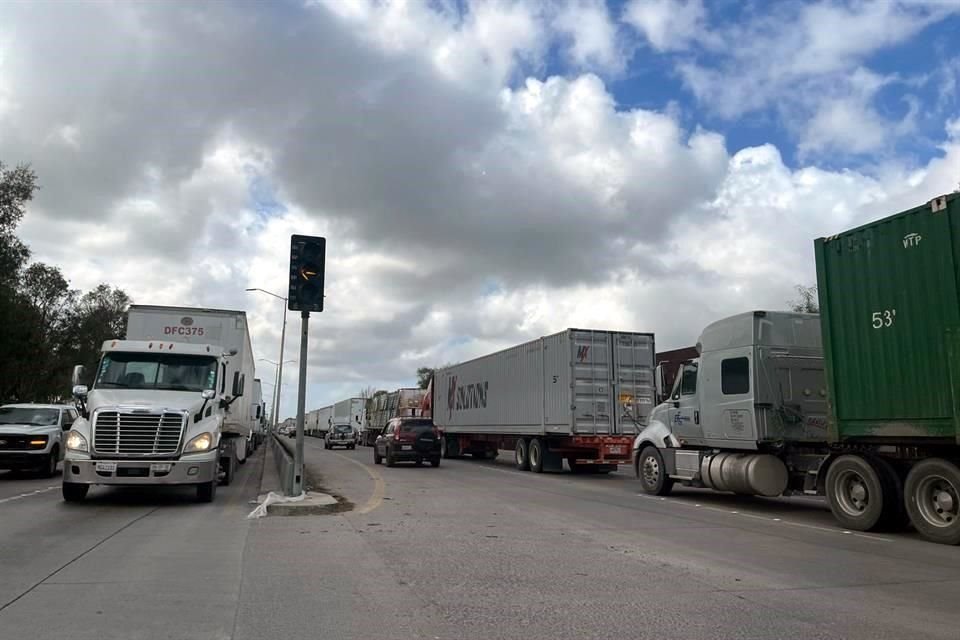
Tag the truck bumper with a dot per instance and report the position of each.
(194, 470)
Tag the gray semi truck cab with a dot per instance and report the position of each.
(740, 416)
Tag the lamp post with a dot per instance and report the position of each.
(275, 404)
(283, 337)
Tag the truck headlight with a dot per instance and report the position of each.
(202, 442)
(76, 442)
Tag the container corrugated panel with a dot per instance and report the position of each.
(577, 382)
(889, 311)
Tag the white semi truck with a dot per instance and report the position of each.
(170, 404)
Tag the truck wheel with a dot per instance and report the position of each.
(228, 468)
(895, 516)
(73, 492)
(933, 500)
(435, 462)
(855, 493)
(49, 468)
(390, 459)
(207, 491)
(652, 472)
(536, 455)
(522, 455)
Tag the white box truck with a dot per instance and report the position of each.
(168, 404)
(580, 395)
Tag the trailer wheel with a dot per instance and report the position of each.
(855, 493)
(228, 468)
(652, 472)
(933, 500)
(895, 516)
(535, 454)
(522, 455)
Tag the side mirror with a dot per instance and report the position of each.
(208, 394)
(658, 379)
(79, 373)
(258, 412)
(237, 384)
(80, 391)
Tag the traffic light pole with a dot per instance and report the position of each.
(301, 403)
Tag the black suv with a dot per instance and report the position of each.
(408, 439)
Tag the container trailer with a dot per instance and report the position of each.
(579, 395)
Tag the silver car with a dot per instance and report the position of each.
(31, 436)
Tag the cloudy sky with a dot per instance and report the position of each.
(485, 171)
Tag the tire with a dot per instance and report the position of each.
(377, 459)
(895, 516)
(448, 452)
(73, 492)
(522, 455)
(228, 471)
(49, 468)
(535, 454)
(652, 473)
(207, 491)
(391, 461)
(932, 494)
(855, 493)
(435, 462)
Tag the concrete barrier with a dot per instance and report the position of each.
(283, 456)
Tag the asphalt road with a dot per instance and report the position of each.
(467, 550)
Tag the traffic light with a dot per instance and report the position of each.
(307, 259)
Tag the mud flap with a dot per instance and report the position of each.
(552, 461)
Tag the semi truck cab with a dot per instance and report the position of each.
(154, 415)
(756, 391)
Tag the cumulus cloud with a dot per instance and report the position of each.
(469, 201)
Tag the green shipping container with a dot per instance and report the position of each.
(891, 326)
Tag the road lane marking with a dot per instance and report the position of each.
(757, 516)
(379, 487)
(27, 495)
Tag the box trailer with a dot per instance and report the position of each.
(579, 395)
(351, 411)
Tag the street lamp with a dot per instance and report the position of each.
(283, 337)
(275, 408)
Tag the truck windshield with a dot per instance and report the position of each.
(27, 415)
(157, 371)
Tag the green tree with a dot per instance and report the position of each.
(424, 375)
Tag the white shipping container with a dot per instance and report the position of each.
(577, 382)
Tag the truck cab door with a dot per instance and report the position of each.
(684, 411)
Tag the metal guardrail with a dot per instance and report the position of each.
(283, 455)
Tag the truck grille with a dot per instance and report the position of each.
(137, 434)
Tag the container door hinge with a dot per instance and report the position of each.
(938, 204)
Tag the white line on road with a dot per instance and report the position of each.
(756, 516)
(27, 495)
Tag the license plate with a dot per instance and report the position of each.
(107, 467)
(615, 449)
(161, 467)
(406, 447)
